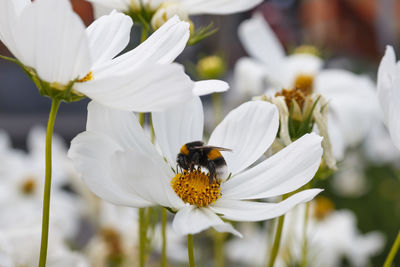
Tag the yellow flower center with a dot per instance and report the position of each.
(87, 78)
(28, 186)
(323, 207)
(303, 87)
(195, 188)
(305, 83)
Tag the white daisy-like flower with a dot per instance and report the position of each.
(118, 162)
(69, 61)
(20, 246)
(184, 8)
(389, 93)
(21, 186)
(351, 98)
(330, 239)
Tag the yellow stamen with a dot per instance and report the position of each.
(195, 188)
(305, 83)
(87, 78)
(28, 186)
(292, 95)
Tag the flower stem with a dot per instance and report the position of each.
(217, 105)
(393, 251)
(47, 183)
(164, 237)
(142, 237)
(190, 250)
(277, 241)
(219, 256)
(305, 241)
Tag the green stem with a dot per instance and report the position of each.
(393, 251)
(190, 250)
(277, 241)
(142, 237)
(219, 256)
(305, 240)
(9, 59)
(47, 183)
(164, 237)
(216, 100)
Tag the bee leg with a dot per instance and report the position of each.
(211, 170)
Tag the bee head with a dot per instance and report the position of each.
(182, 161)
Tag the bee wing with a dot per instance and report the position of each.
(214, 147)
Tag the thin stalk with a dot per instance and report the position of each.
(47, 183)
(277, 241)
(305, 240)
(393, 251)
(216, 100)
(190, 250)
(219, 256)
(164, 237)
(142, 237)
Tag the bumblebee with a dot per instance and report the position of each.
(197, 154)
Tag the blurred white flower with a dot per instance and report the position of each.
(379, 147)
(389, 93)
(118, 162)
(20, 246)
(351, 98)
(21, 184)
(63, 57)
(115, 238)
(331, 238)
(185, 7)
(350, 180)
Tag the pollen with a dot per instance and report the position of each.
(87, 78)
(195, 188)
(305, 83)
(293, 95)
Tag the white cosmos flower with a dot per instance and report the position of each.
(389, 93)
(118, 163)
(188, 7)
(21, 186)
(351, 98)
(49, 38)
(20, 246)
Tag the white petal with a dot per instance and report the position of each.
(260, 42)
(162, 47)
(91, 154)
(250, 211)
(9, 15)
(300, 64)
(249, 77)
(193, 220)
(121, 126)
(386, 73)
(108, 36)
(150, 88)
(146, 177)
(394, 110)
(248, 130)
(284, 172)
(51, 38)
(207, 87)
(220, 7)
(121, 5)
(177, 126)
(352, 101)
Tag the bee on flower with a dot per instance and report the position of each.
(118, 163)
